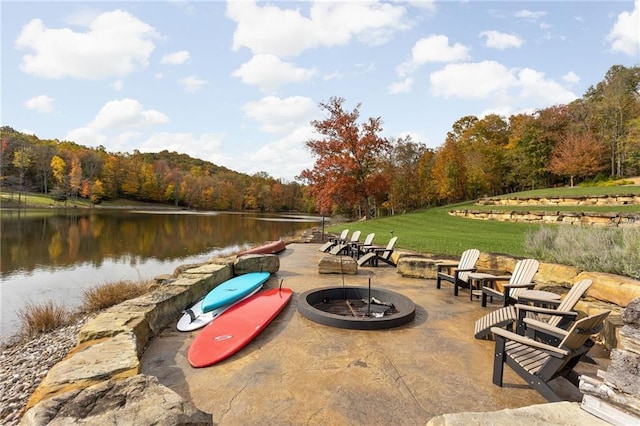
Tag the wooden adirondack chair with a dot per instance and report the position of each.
(519, 315)
(458, 273)
(346, 245)
(360, 248)
(520, 279)
(539, 363)
(333, 241)
(375, 254)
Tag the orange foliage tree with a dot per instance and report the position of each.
(577, 155)
(350, 158)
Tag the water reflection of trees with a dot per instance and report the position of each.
(59, 240)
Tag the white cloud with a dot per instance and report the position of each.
(491, 81)
(192, 83)
(471, 80)
(268, 72)
(501, 41)
(528, 14)
(277, 115)
(41, 103)
(625, 34)
(403, 86)
(286, 33)
(175, 58)
(207, 146)
(435, 48)
(285, 157)
(429, 5)
(124, 115)
(115, 45)
(571, 78)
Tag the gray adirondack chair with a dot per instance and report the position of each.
(458, 273)
(539, 363)
(520, 279)
(518, 315)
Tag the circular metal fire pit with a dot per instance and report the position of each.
(347, 307)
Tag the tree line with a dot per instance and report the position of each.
(358, 172)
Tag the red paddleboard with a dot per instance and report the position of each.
(236, 327)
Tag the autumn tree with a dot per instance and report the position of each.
(577, 155)
(348, 170)
(407, 181)
(22, 159)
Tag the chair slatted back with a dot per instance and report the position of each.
(369, 240)
(523, 273)
(355, 237)
(582, 330)
(468, 260)
(571, 299)
(389, 249)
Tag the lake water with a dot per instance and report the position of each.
(57, 254)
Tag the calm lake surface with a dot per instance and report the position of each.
(57, 254)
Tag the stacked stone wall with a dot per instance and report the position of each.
(600, 219)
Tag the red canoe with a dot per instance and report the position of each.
(272, 247)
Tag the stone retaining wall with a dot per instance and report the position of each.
(605, 200)
(608, 292)
(602, 219)
(111, 344)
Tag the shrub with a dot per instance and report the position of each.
(612, 250)
(42, 318)
(110, 294)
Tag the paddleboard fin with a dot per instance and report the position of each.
(189, 312)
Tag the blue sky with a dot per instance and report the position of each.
(237, 83)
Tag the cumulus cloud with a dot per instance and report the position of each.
(114, 45)
(41, 103)
(571, 78)
(625, 34)
(267, 29)
(492, 81)
(123, 115)
(192, 83)
(277, 115)
(435, 48)
(285, 157)
(175, 58)
(268, 72)
(403, 86)
(501, 41)
(206, 146)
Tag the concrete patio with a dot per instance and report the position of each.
(300, 372)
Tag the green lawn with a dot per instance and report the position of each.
(435, 231)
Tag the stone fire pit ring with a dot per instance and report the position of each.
(406, 309)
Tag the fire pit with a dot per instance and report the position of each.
(357, 308)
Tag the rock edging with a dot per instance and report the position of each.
(110, 345)
(602, 219)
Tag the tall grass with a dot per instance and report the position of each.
(110, 294)
(42, 318)
(45, 317)
(612, 250)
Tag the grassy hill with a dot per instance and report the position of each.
(435, 231)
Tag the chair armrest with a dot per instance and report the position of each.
(537, 301)
(525, 285)
(549, 311)
(466, 270)
(543, 327)
(551, 350)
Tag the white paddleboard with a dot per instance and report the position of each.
(193, 318)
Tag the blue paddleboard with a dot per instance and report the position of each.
(233, 290)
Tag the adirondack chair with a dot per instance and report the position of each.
(333, 241)
(539, 363)
(458, 273)
(375, 254)
(520, 279)
(360, 248)
(519, 315)
(345, 246)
